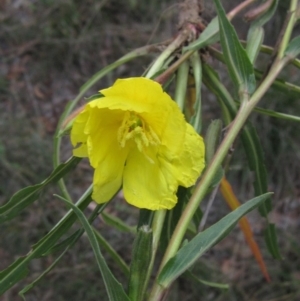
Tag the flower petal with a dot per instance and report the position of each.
(108, 175)
(187, 167)
(81, 151)
(147, 98)
(102, 128)
(77, 132)
(138, 94)
(145, 185)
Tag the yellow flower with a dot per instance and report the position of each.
(137, 136)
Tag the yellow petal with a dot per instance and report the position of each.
(136, 94)
(145, 185)
(108, 175)
(102, 130)
(172, 130)
(81, 151)
(187, 167)
(77, 132)
(147, 98)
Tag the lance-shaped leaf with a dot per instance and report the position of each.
(293, 49)
(141, 258)
(209, 36)
(19, 269)
(202, 242)
(196, 119)
(114, 289)
(71, 242)
(28, 195)
(237, 61)
(256, 32)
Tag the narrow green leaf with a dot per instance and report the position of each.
(212, 139)
(141, 258)
(293, 49)
(65, 223)
(202, 242)
(18, 270)
(207, 283)
(111, 251)
(266, 16)
(173, 216)
(181, 84)
(256, 32)
(65, 243)
(13, 274)
(281, 85)
(237, 61)
(254, 41)
(71, 242)
(117, 223)
(114, 289)
(196, 119)
(275, 114)
(271, 241)
(256, 161)
(209, 36)
(28, 195)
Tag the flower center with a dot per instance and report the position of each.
(133, 127)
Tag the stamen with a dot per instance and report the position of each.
(134, 127)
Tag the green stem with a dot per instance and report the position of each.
(200, 190)
(158, 222)
(162, 78)
(288, 32)
(182, 36)
(181, 84)
(239, 8)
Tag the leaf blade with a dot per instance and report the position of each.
(26, 196)
(18, 269)
(114, 289)
(188, 254)
(237, 61)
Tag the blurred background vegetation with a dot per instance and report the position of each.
(48, 49)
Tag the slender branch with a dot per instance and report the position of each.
(162, 78)
(289, 28)
(239, 8)
(208, 207)
(201, 188)
(179, 40)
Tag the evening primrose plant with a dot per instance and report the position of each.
(145, 139)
